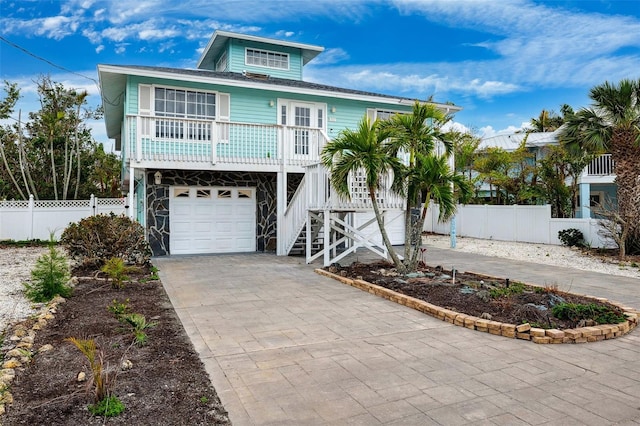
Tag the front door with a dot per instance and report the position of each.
(302, 121)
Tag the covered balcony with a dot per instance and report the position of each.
(600, 170)
(167, 142)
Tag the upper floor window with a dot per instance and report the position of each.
(221, 65)
(184, 103)
(265, 58)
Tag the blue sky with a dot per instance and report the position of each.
(502, 61)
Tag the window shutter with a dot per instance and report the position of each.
(144, 99)
(371, 114)
(224, 108)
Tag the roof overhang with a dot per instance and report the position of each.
(220, 38)
(113, 83)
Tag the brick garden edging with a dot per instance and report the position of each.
(522, 331)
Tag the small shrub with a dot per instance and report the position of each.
(96, 239)
(50, 276)
(138, 323)
(119, 309)
(117, 271)
(513, 289)
(110, 406)
(571, 237)
(575, 312)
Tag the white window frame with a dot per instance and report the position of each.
(222, 63)
(186, 90)
(269, 53)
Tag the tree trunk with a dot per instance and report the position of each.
(385, 238)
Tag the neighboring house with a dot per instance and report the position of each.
(225, 157)
(596, 182)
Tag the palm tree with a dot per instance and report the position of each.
(612, 124)
(431, 178)
(365, 149)
(427, 173)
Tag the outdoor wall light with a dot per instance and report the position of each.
(271, 103)
(333, 110)
(157, 177)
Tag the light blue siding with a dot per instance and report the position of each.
(237, 59)
(253, 106)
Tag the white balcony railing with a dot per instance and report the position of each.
(600, 166)
(164, 139)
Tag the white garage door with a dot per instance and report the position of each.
(212, 220)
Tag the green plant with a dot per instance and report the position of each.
(49, 276)
(110, 406)
(576, 312)
(117, 271)
(96, 239)
(138, 323)
(513, 289)
(204, 399)
(119, 308)
(571, 237)
(102, 381)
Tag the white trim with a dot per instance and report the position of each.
(269, 88)
(246, 49)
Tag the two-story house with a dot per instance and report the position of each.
(595, 183)
(225, 157)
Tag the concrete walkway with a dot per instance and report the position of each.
(284, 345)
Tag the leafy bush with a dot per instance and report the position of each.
(110, 406)
(50, 276)
(576, 312)
(95, 239)
(571, 237)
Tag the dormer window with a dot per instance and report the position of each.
(267, 59)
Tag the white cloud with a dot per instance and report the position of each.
(331, 56)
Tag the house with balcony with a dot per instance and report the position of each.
(225, 157)
(596, 182)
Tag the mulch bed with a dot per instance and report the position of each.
(470, 294)
(167, 384)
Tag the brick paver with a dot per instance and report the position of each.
(284, 345)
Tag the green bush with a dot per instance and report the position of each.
(96, 239)
(571, 237)
(50, 276)
(576, 312)
(110, 406)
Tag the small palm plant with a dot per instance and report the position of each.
(139, 324)
(117, 271)
(106, 404)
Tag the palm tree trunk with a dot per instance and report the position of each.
(385, 238)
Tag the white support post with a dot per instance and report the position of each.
(31, 208)
(130, 195)
(139, 139)
(281, 200)
(327, 237)
(92, 205)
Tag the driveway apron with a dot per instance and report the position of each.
(284, 345)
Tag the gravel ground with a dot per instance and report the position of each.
(15, 269)
(16, 265)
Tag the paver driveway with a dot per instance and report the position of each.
(284, 345)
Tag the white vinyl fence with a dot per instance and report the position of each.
(36, 219)
(528, 224)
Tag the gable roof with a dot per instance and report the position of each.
(113, 80)
(220, 38)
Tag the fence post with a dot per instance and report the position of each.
(92, 205)
(31, 208)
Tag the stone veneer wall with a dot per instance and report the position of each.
(158, 225)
